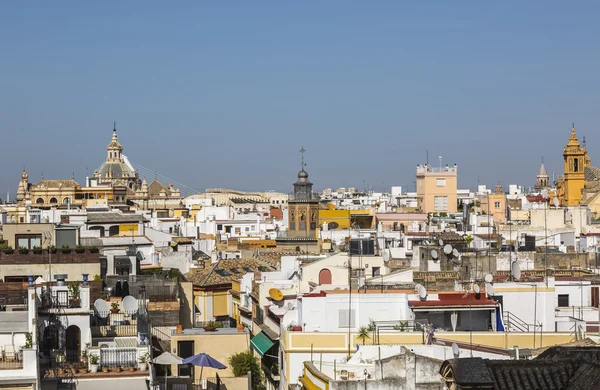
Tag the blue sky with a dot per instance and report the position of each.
(223, 94)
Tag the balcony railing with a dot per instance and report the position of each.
(216, 324)
(114, 325)
(275, 318)
(60, 300)
(118, 357)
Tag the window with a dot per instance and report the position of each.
(347, 318)
(440, 182)
(376, 271)
(66, 201)
(238, 230)
(440, 203)
(252, 227)
(563, 300)
(53, 200)
(247, 229)
(28, 240)
(575, 165)
(497, 205)
(219, 227)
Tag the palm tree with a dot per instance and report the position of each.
(363, 334)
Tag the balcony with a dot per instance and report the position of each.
(60, 299)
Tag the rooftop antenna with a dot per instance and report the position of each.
(440, 162)
(115, 126)
(583, 142)
(427, 160)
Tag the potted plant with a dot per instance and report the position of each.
(97, 278)
(37, 249)
(116, 369)
(74, 293)
(60, 357)
(65, 248)
(7, 249)
(131, 368)
(84, 357)
(23, 250)
(143, 365)
(52, 249)
(104, 369)
(210, 326)
(93, 249)
(79, 249)
(83, 370)
(114, 308)
(105, 296)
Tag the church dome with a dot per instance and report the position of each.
(303, 174)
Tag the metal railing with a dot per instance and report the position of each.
(113, 325)
(118, 357)
(216, 324)
(275, 318)
(61, 299)
(514, 323)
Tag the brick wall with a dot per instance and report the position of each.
(42, 258)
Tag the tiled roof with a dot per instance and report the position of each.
(224, 272)
(56, 183)
(591, 173)
(557, 368)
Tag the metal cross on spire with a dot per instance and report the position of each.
(115, 126)
(302, 150)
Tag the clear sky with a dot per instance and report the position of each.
(224, 94)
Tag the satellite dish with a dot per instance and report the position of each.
(447, 249)
(434, 254)
(130, 305)
(422, 293)
(489, 278)
(545, 193)
(556, 202)
(441, 242)
(489, 289)
(515, 270)
(455, 252)
(476, 289)
(276, 294)
(101, 308)
(455, 350)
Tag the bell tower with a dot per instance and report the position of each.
(542, 178)
(303, 207)
(576, 160)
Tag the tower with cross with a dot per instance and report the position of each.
(303, 205)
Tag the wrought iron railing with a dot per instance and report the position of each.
(61, 299)
(113, 325)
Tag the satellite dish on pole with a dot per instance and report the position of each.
(489, 278)
(441, 242)
(434, 254)
(455, 252)
(130, 305)
(489, 289)
(545, 194)
(101, 308)
(455, 350)
(515, 270)
(422, 293)
(476, 289)
(447, 249)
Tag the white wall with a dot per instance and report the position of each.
(322, 314)
(520, 299)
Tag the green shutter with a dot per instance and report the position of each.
(261, 343)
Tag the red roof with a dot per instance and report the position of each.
(535, 198)
(455, 299)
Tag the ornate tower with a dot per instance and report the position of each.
(542, 178)
(114, 151)
(23, 187)
(576, 160)
(303, 207)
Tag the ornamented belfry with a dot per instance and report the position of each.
(303, 207)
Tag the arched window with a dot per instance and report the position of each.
(53, 200)
(39, 201)
(325, 276)
(66, 200)
(110, 154)
(575, 165)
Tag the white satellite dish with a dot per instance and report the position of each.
(489, 278)
(441, 242)
(130, 305)
(447, 249)
(556, 202)
(489, 289)
(434, 254)
(545, 193)
(515, 270)
(455, 252)
(422, 293)
(101, 308)
(455, 350)
(476, 289)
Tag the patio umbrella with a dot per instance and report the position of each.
(166, 359)
(203, 360)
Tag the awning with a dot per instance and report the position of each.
(261, 343)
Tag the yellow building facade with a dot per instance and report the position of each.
(436, 189)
